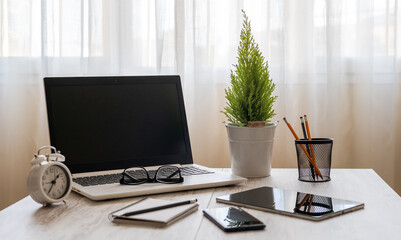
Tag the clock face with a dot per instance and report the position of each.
(55, 182)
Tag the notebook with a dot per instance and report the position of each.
(159, 218)
(103, 125)
(291, 203)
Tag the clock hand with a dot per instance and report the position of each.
(53, 182)
(57, 177)
(51, 188)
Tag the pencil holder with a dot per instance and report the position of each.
(314, 159)
(314, 205)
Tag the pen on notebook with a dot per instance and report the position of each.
(159, 207)
(303, 148)
(307, 146)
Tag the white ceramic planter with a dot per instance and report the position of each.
(251, 150)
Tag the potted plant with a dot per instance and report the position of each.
(250, 109)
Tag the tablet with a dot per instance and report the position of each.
(298, 204)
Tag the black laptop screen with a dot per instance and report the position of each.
(104, 123)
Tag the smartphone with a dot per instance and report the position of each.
(232, 219)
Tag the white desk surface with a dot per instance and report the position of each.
(82, 218)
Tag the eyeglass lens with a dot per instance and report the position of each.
(168, 174)
(135, 176)
(165, 174)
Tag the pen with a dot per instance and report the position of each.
(307, 146)
(303, 127)
(304, 149)
(159, 207)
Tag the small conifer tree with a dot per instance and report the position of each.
(250, 96)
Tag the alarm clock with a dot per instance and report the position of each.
(49, 180)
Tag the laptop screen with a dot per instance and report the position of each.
(105, 123)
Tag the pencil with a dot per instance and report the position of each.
(310, 138)
(310, 202)
(307, 146)
(303, 148)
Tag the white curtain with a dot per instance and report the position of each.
(339, 62)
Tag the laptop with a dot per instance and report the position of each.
(103, 125)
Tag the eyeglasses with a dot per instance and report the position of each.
(164, 174)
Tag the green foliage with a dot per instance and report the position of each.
(250, 96)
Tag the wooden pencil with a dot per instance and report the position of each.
(303, 201)
(310, 139)
(304, 149)
(310, 202)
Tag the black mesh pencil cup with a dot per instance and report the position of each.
(317, 150)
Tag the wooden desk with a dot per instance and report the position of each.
(81, 218)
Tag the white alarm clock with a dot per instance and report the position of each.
(49, 180)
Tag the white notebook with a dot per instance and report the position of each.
(159, 218)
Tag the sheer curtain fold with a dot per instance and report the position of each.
(339, 62)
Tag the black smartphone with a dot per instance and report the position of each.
(232, 219)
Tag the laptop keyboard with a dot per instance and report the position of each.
(187, 171)
(115, 178)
